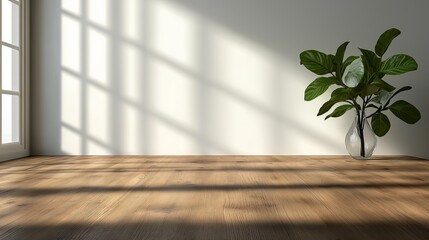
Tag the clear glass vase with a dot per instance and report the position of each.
(360, 139)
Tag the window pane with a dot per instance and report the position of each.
(10, 118)
(10, 22)
(10, 69)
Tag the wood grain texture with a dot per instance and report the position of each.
(216, 197)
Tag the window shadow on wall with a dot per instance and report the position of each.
(177, 77)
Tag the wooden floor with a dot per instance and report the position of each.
(222, 197)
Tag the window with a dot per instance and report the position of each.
(13, 84)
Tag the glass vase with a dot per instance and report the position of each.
(360, 139)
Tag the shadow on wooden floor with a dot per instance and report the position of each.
(180, 230)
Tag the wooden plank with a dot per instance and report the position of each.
(214, 197)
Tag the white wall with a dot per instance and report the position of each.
(207, 77)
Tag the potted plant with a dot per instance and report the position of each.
(360, 86)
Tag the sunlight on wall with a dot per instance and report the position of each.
(98, 115)
(166, 139)
(174, 33)
(71, 100)
(244, 73)
(131, 141)
(71, 138)
(71, 43)
(91, 49)
(173, 94)
(71, 6)
(98, 12)
(131, 79)
(70, 141)
(192, 87)
(239, 65)
(132, 23)
(97, 57)
(173, 97)
(196, 77)
(305, 127)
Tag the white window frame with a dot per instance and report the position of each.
(22, 148)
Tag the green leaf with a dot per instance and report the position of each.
(317, 62)
(384, 41)
(402, 89)
(398, 64)
(318, 87)
(383, 85)
(391, 95)
(353, 73)
(370, 61)
(382, 97)
(369, 89)
(380, 75)
(346, 63)
(326, 107)
(339, 55)
(405, 111)
(349, 60)
(339, 111)
(337, 96)
(341, 93)
(380, 124)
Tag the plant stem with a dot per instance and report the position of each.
(361, 126)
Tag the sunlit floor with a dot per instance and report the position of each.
(218, 197)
